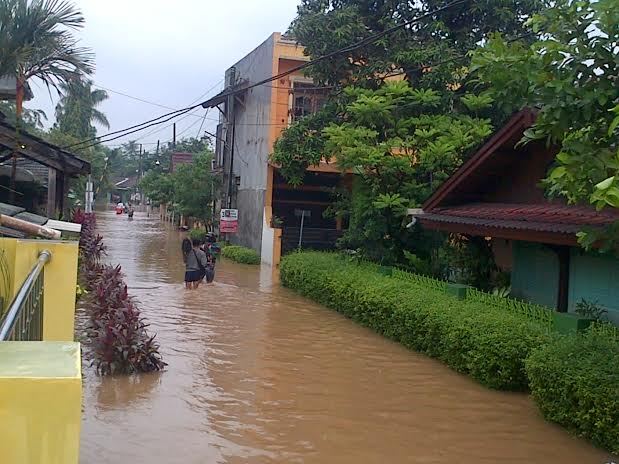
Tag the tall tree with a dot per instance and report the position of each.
(37, 41)
(402, 139)
(570, 73)
(323, 26)
(76, 111)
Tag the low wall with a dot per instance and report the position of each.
(40, 402)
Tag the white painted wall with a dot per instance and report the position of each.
(268, 234)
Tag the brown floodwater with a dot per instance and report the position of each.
(258, 374)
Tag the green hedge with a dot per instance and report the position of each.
(488, 344)
(241, 254)
(575, 382)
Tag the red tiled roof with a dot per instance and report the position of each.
(557, 218)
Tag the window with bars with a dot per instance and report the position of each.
(306, 100)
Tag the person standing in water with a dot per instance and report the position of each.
(196, 264)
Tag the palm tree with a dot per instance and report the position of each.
(36, 41)
(76, 111)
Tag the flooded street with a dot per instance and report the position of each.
(258, 374)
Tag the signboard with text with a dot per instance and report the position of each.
(229, 221)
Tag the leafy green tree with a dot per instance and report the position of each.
(195, 187)
(158, 186)
(76, 111)
(323, 26)
(401, 146)
(31, 120)
(401, 139)
(37, 41)
(570, 73)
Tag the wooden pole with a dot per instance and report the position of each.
(19, 102)
(29, 228)
(51, 193)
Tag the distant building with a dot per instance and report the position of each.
(270, 210)
(180, 158)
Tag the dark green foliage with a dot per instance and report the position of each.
(488, 344)
(76, 112)
(575, 382)
(241, 254)
(570, 73)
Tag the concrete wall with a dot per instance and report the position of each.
(251, 207)
(594, 278)
(41, 401)
(252, 147)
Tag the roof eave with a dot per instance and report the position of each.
(518, 122)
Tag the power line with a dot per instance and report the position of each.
(146, 124)
(202, 125)
(350, 48)
(143, 100)
(210, 102)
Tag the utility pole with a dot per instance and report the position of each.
(174, 135)
(137, 187)
(230, 125)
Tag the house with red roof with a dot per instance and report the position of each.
(497, 194)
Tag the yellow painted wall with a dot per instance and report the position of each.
(40, 402)
(59, 284)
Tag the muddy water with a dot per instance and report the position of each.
(259, 375)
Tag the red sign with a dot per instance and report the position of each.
(229, 221)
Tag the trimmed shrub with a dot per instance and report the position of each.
(488, 344)
(240, 254)
(575, 382)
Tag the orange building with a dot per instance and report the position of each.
(271, 212)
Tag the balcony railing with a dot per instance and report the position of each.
(23, 320)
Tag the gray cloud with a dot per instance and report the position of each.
(169, 53)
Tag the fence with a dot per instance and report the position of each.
(23, 321)
(533, 311)
(426, 281)
(310, 238)
(606, 330)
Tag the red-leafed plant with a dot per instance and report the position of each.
(117, 333)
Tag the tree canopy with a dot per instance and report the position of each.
(77, 110)
(570, 74)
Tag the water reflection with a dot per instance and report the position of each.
(259, 375)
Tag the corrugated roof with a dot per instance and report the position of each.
(564, 219)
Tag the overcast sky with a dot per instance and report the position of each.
(170, 53)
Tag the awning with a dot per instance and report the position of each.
(37, 149)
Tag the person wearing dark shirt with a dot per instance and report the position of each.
(195, 265)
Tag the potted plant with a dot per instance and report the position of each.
(276, 222)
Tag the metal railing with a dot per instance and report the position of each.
(532, 311)
(23, 320)
(419, 279)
